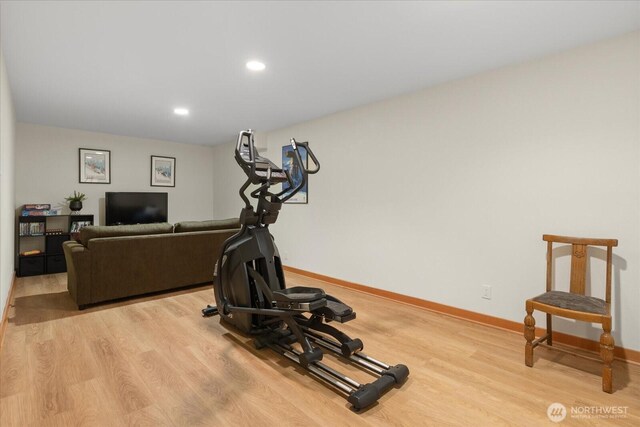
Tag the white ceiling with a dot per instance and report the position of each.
(121, 67)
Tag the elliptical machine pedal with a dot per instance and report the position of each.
(209, 311)
(250, 289)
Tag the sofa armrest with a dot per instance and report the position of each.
(78, 259)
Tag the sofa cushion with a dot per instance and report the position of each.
(98, 231)
(214, 224)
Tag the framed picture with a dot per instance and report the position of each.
(288, 163)
(95, 166)
(76, 226)
(163, 171)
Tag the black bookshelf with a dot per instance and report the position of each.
(45, 234)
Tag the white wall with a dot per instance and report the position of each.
(7, 180)
(439, 192)
(47, 170)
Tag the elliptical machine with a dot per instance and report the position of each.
(251, 294)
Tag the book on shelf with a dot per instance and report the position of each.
(32, 229)
(37, 207)
(33, 252)
(46, 212)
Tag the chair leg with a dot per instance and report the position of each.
(529, 335)
(606, 353)
(549, 330)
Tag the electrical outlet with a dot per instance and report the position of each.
(285, 256)
(486, 292)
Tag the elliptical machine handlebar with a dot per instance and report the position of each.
(241, 155)
(306, 170)
(265, 173)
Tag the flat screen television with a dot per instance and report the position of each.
(135, 208)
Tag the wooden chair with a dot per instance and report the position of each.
(574, 304)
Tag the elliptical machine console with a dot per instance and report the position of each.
(251, 293)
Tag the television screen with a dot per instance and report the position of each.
(135, 208)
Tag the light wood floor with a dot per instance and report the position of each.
(155, 361)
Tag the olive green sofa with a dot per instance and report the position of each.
(113, 262)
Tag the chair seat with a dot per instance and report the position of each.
(574, 302)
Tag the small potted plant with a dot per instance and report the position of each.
(75, 201)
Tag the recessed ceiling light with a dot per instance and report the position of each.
(181, 111)
(256, 65)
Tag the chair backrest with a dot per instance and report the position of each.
(579, 261)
